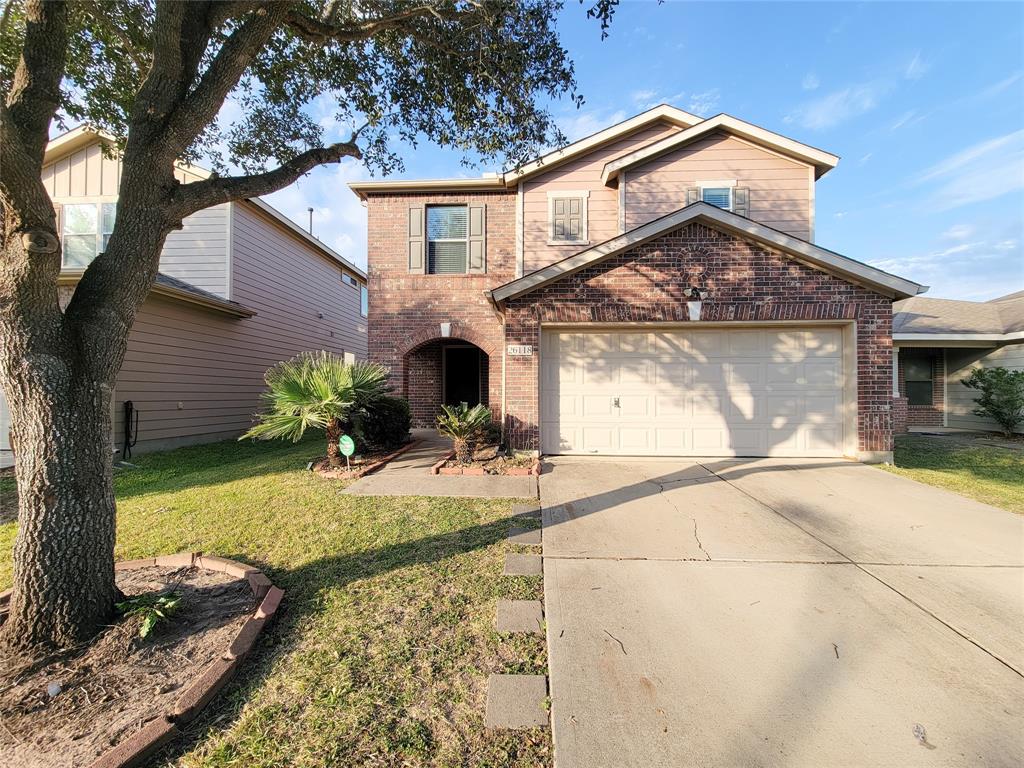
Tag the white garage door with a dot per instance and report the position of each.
(711, 392)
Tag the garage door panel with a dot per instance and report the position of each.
(707, 391)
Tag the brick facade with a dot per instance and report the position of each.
(925, 415)
(406, 310)
(747, 282)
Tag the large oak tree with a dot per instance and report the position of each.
(155, 74)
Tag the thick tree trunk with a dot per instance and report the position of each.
(64, 587)
(333, 435)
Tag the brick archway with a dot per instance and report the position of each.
(459, 332)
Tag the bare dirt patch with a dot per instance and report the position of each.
(111, 688)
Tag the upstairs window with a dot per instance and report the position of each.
(348, 279)
(364, 301)
(567, 213)
(86, 231)
(720, 196)
(447, 239)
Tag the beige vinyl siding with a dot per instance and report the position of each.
(960, 399)
(197, 253)
(581, 174)
(780, 189)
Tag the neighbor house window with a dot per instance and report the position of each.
(567, 213)
(348, 279)
(364, 301)
(86, 230)
(720, 196)
(447, 239)
(918, 379)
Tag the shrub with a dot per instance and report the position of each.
(465, 426)
(1001, 398)
(385, 424)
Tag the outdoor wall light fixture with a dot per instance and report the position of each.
(694, 300)
(446, 330)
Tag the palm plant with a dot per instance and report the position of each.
(319, 390)
(464, 425)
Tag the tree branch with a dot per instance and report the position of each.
(189, 198)
(317, 31)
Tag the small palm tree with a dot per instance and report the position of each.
(464, 425)
(320, 390)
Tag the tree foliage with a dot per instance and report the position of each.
(1001, 398)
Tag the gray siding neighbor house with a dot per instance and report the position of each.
(938, 341)
(241, 287)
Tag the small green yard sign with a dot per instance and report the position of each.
(346, 445)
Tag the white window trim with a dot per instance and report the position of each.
(718, 184)
(561, 195)
(427, 240)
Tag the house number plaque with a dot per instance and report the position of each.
(520, 350)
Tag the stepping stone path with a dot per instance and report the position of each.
(520, 616)
(523, 565)
(526, 510)
(516, 702)
(529, 537)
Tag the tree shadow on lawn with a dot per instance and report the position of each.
(306, 587)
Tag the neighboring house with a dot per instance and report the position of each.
(557, 295)
(938, 342)
(241, 287)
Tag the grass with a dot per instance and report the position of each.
(987, 473)
(381, 652)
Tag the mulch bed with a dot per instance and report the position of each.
(118, 683)
(488, 462)
(362, 464)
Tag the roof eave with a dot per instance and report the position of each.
(486, 184)
(224, 307)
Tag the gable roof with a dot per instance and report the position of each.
(727, 221)
(174, 288)
(664, 113)
(83, 136)
(922, 318)
(822, 161)
(660, 113)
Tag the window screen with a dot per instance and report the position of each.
(86, 231)
(719, 196)
(917, 380)
(447, 230)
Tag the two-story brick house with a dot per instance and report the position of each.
(563, 295)
(241, 287)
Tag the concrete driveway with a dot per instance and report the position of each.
(778, 613)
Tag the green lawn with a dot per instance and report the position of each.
(382, 649)
(986, 473)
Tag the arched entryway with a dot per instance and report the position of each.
(444, 371)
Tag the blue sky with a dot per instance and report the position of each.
(924, 103)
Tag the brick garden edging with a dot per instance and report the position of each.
(134, 750)
(370, 468)
(439, 468)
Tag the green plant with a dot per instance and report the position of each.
(464, 425)
(1001, 398)
(153, 607)
(385, 424)
(320, 390)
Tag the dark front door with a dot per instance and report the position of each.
(461, 375)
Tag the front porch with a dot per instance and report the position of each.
(447, 371)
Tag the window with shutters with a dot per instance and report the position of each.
(918, 379)
(85, 232)
(567, 212)
(447, 239)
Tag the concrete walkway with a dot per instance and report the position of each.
(778, 613)
(409, 475)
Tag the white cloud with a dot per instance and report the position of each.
(1006, 245)
(644, 98)
(983, 171)
(958, 232)
(339, 219)
(810, 82)
(904, 119)
(916, 68)
(703, 104)
(865, 158)
(840, 214)
(582, 124)
(837, 107)
(996, 88)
